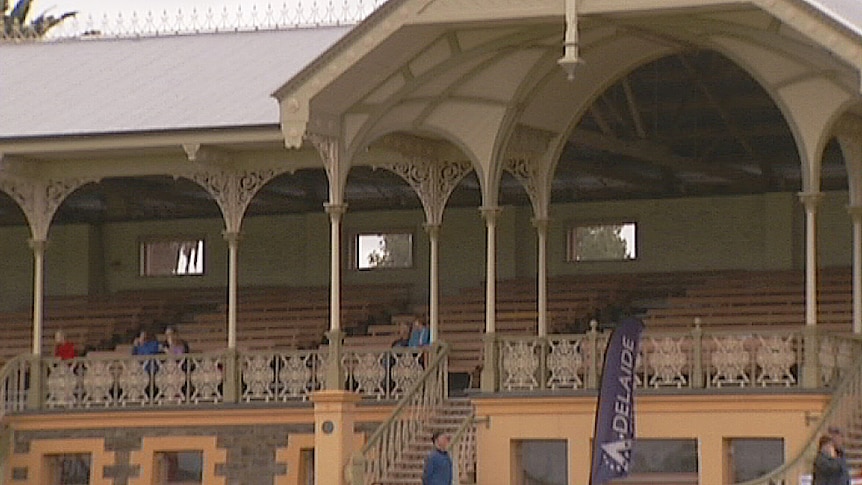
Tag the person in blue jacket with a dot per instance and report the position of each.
(829, 468)
(146, 344)
(438, 464)
(420, 336)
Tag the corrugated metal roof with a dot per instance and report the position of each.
(152, 83)
(846, 12)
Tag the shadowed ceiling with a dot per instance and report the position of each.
(687, 125)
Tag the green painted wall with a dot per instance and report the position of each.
(748, 232)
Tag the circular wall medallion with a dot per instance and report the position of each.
(328, 427)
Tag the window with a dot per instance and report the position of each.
(383, 250)
(169, 257)
(68, 469)
(306, 466)
(602, 242)
(179, 467)
(664, 456)
(752, 458)
(541, 462)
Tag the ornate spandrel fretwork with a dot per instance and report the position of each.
(328, 147)
(526, 159)
(433, 181)
(39, 199)
(233, 190)
(731, 361)
(431, 168)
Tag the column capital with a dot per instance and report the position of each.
(335, 211)
(540, 223)
(810, 199)
(232, 237)
(490, 214)
(433, 230)
(855, 212)
(38, 245)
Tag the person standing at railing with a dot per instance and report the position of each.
(829, 468)
(63, 349)
(438, 464)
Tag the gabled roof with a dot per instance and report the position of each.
(151, 84)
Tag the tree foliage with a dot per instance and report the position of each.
(600, 243)
(393, 251)
(16, 23)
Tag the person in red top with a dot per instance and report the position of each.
(63, 349)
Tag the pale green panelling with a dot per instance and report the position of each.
(710, 233)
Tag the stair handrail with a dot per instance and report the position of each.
(462, 449)
(386, 445)
(15, 383)
(845, 401)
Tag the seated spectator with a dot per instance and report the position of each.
(63, 349)
(145, 344)
(421, 335)
(174, 345)
(403, 336)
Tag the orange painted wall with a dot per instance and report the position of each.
(710, 419)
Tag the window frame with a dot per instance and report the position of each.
(353, 249)
(153, 239)
(570, 244)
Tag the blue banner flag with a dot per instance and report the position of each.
(615, 411)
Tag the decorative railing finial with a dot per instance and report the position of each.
(288, 15)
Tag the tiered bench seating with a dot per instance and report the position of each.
(289, 318)
(757, 299)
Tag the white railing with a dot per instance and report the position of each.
(14, 382)
(154, 380)
(463, 451)
(843, 413)
(697, 359)
(288, 15)
(383, 373)
(384, 449)
(194, 379)
(283, 376)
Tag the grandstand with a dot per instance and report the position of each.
(284, 197)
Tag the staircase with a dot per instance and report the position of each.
(448, 418)
(844, 412)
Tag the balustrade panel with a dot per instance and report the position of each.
(284, 376)
(157, 380)
(760, 358)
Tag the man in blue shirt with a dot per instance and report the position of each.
(421, 335)
(438, 465)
